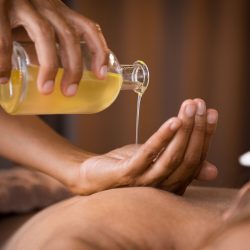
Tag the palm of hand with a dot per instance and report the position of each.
(170, 159)
(124, 152)
(100, 172)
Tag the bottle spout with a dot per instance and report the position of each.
(135, 77)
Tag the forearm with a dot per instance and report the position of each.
(30, 142)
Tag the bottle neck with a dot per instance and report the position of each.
(135, 77)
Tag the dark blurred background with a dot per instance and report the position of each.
(194, 48)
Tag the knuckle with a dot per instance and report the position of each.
(78, 69)
(45, 29)
(75, 73)
(70, 33)
(174, 160)
(192, 159)
(187, 128)
(50, 67)
(92, 25)
(199, 127)
(88, 25)
(150, 153)
(162, 138)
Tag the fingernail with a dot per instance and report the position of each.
(4, 80)
(72, 89)
(48, 87)
(201, 108)
(103, 70)
(175, 125)
(190, 110)
(212, 118)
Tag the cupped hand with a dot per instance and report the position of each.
(190, 161)
(170, 159)
(45, 23)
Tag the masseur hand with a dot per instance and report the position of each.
(46, 22)
(170, 159)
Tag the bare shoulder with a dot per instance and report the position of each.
(137, 218)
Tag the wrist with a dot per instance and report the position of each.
(69, 168)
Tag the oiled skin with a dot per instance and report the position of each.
(128, 218)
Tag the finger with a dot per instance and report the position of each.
(92, 34)
(212, 119)
(172, 156)
(5, 44)
(42, 34)
(99, 49)
(71, 56)
(208, 172)
(152, 147)
(191, 161)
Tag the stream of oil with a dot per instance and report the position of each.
(137, 118)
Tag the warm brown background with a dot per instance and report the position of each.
(194, 48)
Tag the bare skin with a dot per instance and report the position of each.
(234, 231)
(46, 23)
(236, 237)
(129, 218)
(170, 159)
